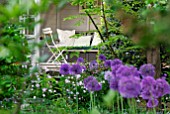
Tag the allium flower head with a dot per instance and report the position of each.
(93, 65)
(114, 83)
(108, 75)
(161, 88)
(126, 71)
(64, 69)
(76, 69)
(93, 85)
(83, 68)
(107, 63)
(129, 87)
(102, 57)
(147, 70)
(115, 64)
(152, 103)
(80, 60)
(86, 80)
(147, 86)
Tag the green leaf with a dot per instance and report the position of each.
(95, 111)
(109, 98)
(4, 52)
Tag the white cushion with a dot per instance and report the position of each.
(82, 41)
(64, 35)
(96, 39)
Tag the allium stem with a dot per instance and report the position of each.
(164, 105)
(77, 97)
(154, 110)
(122, 104)
(118, 104)
(91, 100)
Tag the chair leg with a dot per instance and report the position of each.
(50, 59)
(61, 54)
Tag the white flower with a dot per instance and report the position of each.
(67, 81)
(77, 93)
(38, 79)
(43, 95)
(84, 91)
(80, 83)
(50, 90)
(32, 85)
(78, 76)
(49, 76)
(44, 89)
(32, 81)
(54, 91)
(37, 85)
(138, 100)
(103, 81)
(34, 97)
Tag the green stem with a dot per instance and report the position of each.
(94, 101)
(154, 110)
(118, 104)
(130, 107)
(164, 106)
(77, 97)
(122, 104)
(134, 105)
(91, 99)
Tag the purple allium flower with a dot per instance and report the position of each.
(164, 76)
(134, 71)
(92, 84)
(64, 69)
(76, 69)
(83, 68)
(86, 80)
(147, 86)
(80, 60)
(147, 70)
(107, 63)
(116, 62)
(161, 88)
(114, 84)
(93, 65)
(108, 75)
(129, 87)
(152, 103)
(102, 57)
(126, 71)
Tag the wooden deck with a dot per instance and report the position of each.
(50, 67)
(88, 55)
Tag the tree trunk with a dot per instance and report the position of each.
(153, 57)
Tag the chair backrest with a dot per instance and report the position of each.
(48, 32)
